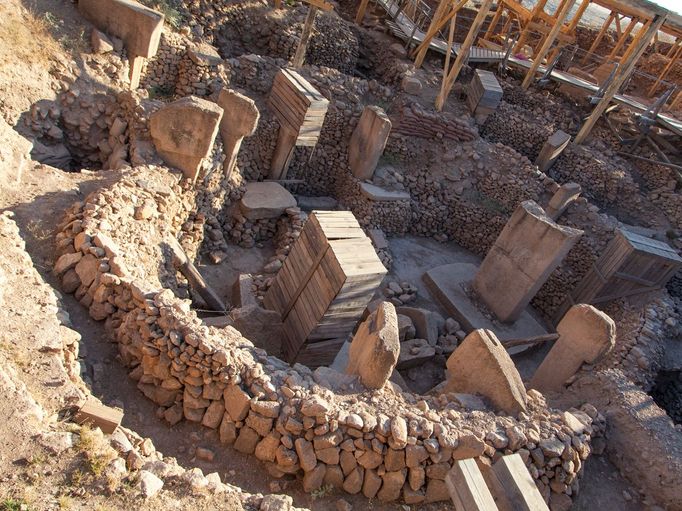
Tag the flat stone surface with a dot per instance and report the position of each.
(265, 200)
(445, 283)
(321, 203)
(376, 193)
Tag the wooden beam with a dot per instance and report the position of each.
(623, 38)
(537, 60)
(467, 487)
(449, 81)
(600, 36)
(527, 27)
(361, 12)
(448, 55)
(627, 65)
(619, 30)
(672, 47)
(299, 56)
(665, 71)
(493, 23)
(513, 486)
(578, 16)
(437, 23)
(323, 5)
(278, 4)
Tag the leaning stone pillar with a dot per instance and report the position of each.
(564, 196)
(551, 150)
(527, 251)
(368, 142)
(240, 120)
(481, 365)
(585, 335)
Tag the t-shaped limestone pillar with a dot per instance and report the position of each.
(375, 348)
(526, 252)
(481, 365)
(368, 142)
(240, 120)
(585, 335)
(183, 132)
(564, 196)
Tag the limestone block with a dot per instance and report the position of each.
(138, 26)
(564, 196)
(529, 248)
(240, 120)
(375, 348)
(265, 200)
(551, 150)
(481, 365)
(585, 335)
(368, 142)
(183, 132)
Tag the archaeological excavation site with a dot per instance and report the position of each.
(341, 255)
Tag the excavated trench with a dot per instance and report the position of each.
(667, 393)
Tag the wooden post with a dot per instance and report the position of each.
(435, 25)
(564, 10)
(623, 38)
(678, 99)
(299, 57)
(672, 47)
(667, 68)
(627, 65)
(599, 37)
(467, 487)
(361, 12)
(451, 36)
(278, 4)
(449, 80)
(493, 23)
(578, 16)
(540, 6)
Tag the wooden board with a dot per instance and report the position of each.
(467, 487)
(325, 283)
(513, 487)
(298, 106)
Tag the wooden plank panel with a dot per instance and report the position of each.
(467, 488)
(513, 487)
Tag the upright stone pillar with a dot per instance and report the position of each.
(552, 149)
(240, 120)
(564, 197)
(585, 335)
(527, 251)
(368, 142)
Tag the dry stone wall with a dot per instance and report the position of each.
(289, 417)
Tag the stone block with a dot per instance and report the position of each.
(529, 248)
(183, 132)
(564, 196)
(265, 200)
(481, 365)
(240, 120)
(378, 194)
(368, 142)
(551, 150)
(585, 335)
(138, 26)
(375, 348)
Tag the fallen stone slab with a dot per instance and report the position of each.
(447, 284)
(378, 194)
(183, 132)
(265, 200)
(481, 365)
(375, 348)
(415, 352)
(203, 54)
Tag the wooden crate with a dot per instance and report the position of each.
(298, 106)
(631, 264)
(324, 286)
(484, 93)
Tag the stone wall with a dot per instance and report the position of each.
(289, 417)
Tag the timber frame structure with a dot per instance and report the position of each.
(645, 20)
